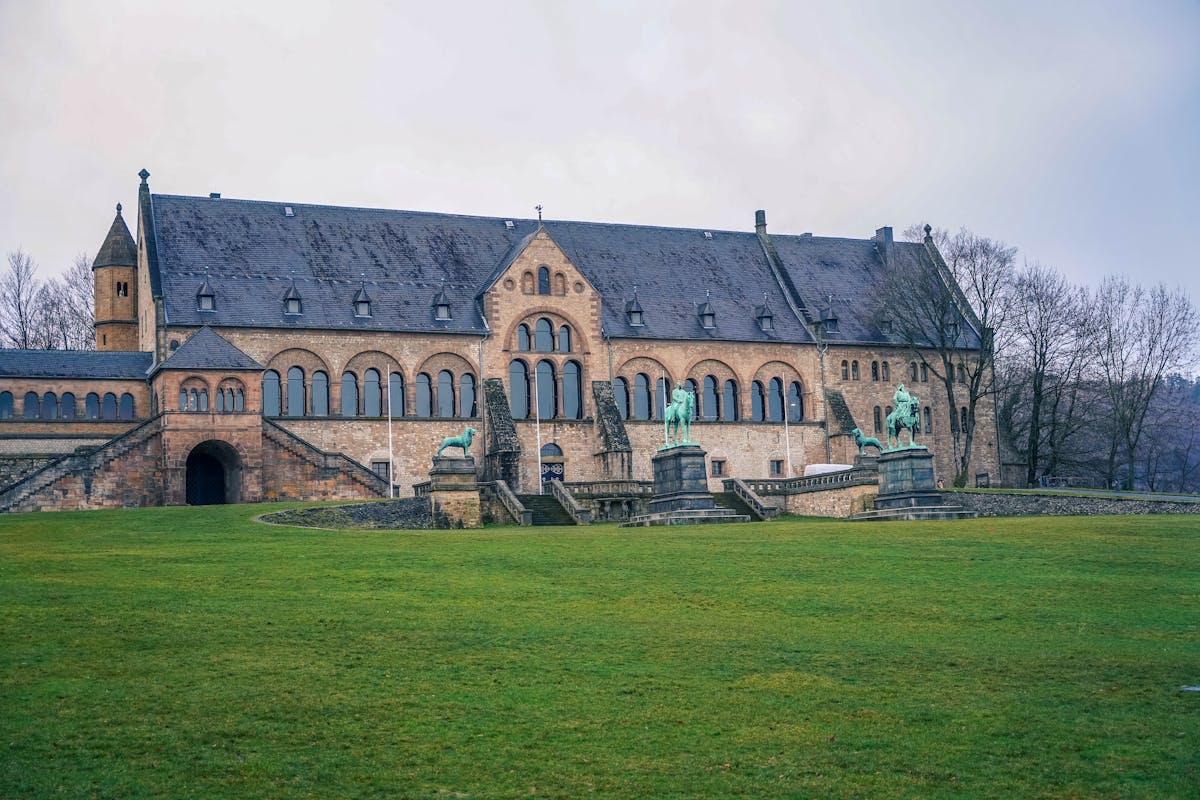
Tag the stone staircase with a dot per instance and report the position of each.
(733, 503)
(333, 462)
(546, 509)
(22, 495)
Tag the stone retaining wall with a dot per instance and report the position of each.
(988, 504)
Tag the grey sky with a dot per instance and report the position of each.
(1071, 130)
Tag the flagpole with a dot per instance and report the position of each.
(537, 417)
(391, 456)
(787, 439)
(666, 426)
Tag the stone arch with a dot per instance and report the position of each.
(779, 369)
(368, 359)
(647, 364)
(560, 284)
(213, 473)
(580, 344)
(527, 282)
(307, 360)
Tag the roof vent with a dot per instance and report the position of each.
(288, 212)
(214, 195)
(508, 224)
(708, 234)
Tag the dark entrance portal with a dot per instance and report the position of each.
(212, 474)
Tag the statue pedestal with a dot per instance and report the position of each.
(906, 479)
(454, 492)
(680, 480)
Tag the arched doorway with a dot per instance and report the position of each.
(213, 474)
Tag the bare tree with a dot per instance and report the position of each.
(77, 298)
(1139, 337)
(18, 295)
(947, 318)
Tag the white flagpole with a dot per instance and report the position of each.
(787, 439)
(537, 416)
(666, 390)
(391, 456)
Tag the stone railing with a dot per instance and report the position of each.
(422, 489)
(813, 483)
(521, 515)
(738, 487)
(581, 515)
(614, 488)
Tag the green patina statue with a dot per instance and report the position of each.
(463, 441)
(863, 441)
(906, 415)
(679, 415)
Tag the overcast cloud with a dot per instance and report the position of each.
(1070, 130)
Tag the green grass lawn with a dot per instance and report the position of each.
(195, 653)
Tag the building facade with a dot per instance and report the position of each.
(252, 350)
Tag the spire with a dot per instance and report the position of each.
(119, 249)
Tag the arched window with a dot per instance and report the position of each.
(731, 403)
(845, 370)
(396, 394)
(877, 418)
(924, 373)
(775, 400)
(239, 400)
(564, 339)
(108, 409)
(543, 336)
(33, 406)
(49, 406)
(641, 396)
(527, 282)
(710, 402)
(874, 370)
(621, 395)
(523, 344)
(183, 395)
(551, 449)
(220, 398)
(572, 378)
(662, 393)
(203, 404)
(126, 410)
(320, 394)
(543, 280)
(424, 395)
(270, 390)
(466, 395)
(349, 394)
(560, 283)
(518, 389)
(190, 401)
(928, 420)
(962, 374)
(854, 370)
(372, 394)
(295, 392)
(758, 402)
(6, 405)
(689, 385)
(795, 402)
(912, 371)
(68, 406)
(963, 415)
(91, 406)
(547, 391)
(887, 371)
(445, 394)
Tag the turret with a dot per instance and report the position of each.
(114, 281)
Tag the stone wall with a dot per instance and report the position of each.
(13, 468)
(292, 471)
(997, 504)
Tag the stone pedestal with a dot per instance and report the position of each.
(680, 480)
(453, 491)
(906, 479)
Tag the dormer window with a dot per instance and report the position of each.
(362, 302)
(292, 304)
(766, 320)
(707, 314)
(441, 305)
(205, 298)
(952, 330)
(633, 311)
(887, 325)
(829, 320)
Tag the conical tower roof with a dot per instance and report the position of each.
(119, 249)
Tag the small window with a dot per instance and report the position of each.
(382, 468)
(362, 308)
(924, 374)
(877, 416)
(854, 370)
(718, 467)
(887, 371)
(292, 306)
(928, 421)
(776, 467)
(205, 302)
(543, 280)
(912, 371)
(845, 370)
(874, 370)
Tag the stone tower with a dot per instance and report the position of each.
(114, 281)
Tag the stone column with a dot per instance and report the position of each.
(454, 492)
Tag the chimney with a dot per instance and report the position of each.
(760, 221)
(214, 195)
(884, 243)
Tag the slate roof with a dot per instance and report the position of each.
(853, 273)
(74, 364)
(118, 248)
(206, 349)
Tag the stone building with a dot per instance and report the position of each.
(252, 350)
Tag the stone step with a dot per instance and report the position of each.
(546, 509)
(913, 513)
(701, 516)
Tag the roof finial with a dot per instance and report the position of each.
(928, 231)
(539, 210)
(118, 209)
(143, 175)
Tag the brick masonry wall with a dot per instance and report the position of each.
(989, 504)
(840, 503)
(13, 468)
(288, 476)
